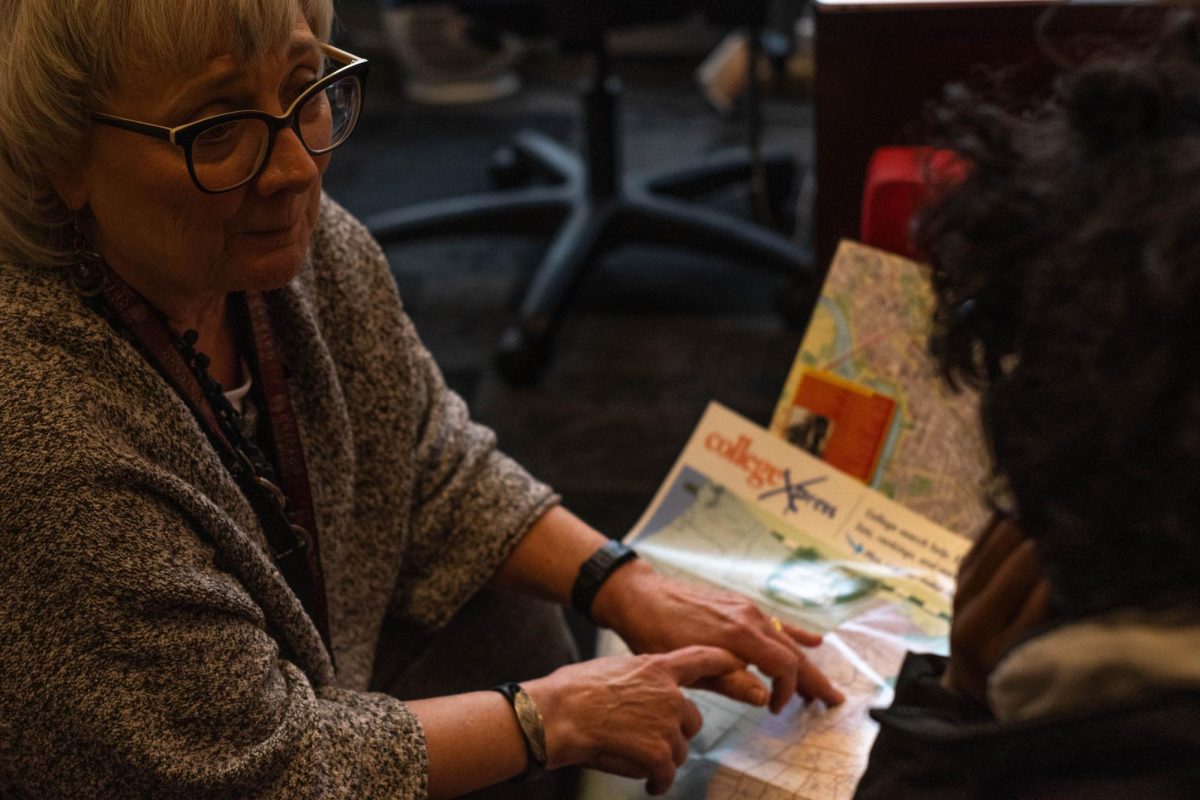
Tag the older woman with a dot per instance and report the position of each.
(228, 467)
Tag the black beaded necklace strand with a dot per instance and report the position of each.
(288, 523)
(247, 458)
(228, 417)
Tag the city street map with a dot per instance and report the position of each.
(864, 394)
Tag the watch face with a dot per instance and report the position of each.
(530, 720)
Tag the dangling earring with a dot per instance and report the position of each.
(87, 275)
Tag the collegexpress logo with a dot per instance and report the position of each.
(761, 473)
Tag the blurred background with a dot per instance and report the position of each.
(654, 333)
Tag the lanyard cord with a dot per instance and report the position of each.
(285, 512)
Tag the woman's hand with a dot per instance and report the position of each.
(654, 614)
(1002, 593)
(626, 714)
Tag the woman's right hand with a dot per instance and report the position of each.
(626, 714)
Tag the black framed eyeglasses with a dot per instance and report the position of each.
(229, 150)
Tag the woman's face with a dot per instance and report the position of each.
(163, 235)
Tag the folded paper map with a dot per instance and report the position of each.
(864, 395)
(744, 510)
(849, 517)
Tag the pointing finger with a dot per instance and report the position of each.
(740, 685)
(814, 684)
(689, 664)
(781, 667)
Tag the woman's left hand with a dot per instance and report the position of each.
(654, 614)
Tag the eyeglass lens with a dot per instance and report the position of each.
(229, 154)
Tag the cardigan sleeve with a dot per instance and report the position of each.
(464, 504)
(137, 669)
(471, 504)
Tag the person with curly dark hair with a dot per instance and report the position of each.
(1067, 272)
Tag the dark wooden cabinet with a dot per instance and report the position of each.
(878, 64)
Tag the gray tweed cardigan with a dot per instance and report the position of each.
(141, 624)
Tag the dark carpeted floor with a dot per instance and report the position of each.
(654, 335)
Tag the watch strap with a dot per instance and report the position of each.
(529, 719)
(595, 571)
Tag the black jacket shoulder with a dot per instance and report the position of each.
(933, 746)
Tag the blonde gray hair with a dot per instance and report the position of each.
(61, 59)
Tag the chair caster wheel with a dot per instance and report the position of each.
(520, 356)
(506, 170)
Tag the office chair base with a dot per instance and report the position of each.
(654, 209)
(531, 156)
(591, 230)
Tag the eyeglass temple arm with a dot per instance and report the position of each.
(157, 131)
(348, 58)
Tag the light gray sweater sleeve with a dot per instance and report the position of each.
(467, 504)
(148, 648)
(136, 670)
(470, 506)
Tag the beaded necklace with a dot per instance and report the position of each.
(283, 504)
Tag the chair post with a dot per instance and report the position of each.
(601, 134)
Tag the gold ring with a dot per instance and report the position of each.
(776, 624)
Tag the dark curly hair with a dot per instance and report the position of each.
(1067, 272)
